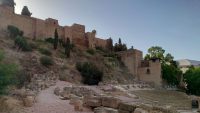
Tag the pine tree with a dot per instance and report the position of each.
(56, 39)
(25, 11)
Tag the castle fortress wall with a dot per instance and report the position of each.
(41, 29)
(100, 43)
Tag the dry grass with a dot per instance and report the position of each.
(177, 100)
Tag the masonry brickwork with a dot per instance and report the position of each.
(40, 29)
(34, 28)
(148, 71)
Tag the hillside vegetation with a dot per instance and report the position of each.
(39, 59)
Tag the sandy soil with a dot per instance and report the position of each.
(47, 102)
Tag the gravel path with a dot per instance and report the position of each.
(47, 102)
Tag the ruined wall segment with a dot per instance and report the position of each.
(100, 43)
(91, 39)
(131, 59)
(150, 71)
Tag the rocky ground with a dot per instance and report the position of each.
(66, 97)
(48, 102)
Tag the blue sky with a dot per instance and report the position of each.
(171, 24)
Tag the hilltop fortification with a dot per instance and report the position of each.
(40, 29)
(34, 28)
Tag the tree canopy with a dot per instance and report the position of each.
(119, 46)
(170, 72)
(192, 79)
(25, 11)
(56, 39)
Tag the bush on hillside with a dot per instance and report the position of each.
(90, 73)
(46, 61)
(14, 31)
(22, 79)
(100, 48)
(91, 51)
(7, 74)
(22, 44)
(45, 51)
(49, 40)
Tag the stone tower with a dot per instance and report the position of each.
(8, 3)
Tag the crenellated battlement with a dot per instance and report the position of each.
(35, 28)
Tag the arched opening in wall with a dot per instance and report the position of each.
(148, 71)
(54, 23)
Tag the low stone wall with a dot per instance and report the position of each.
(107, 104)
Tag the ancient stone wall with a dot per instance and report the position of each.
(91, 39)
(41, 29)
(131, 59)
(151, 72)
(100, 43)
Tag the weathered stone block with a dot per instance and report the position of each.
(140, 110)
(105, 110)
(110, 102)
(73, 99)
(28, 101)
(57, 91)
(127, 106)
(92, 101)
(123, 111)
(78, 105)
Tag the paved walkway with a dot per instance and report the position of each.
(47, 102)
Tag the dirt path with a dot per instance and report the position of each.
(47, 102)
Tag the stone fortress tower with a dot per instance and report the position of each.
(34, 28)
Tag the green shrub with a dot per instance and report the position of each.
(50, 40)
(91, 51)
(1, 55)
(90, 73)
(111, 54)
(45, 51)
(33, 45)
(192, 78)
(170, 74)
(7, 74)
(22, 78)
(100, 49)
(22, 43)
(14, 31)
(46, 61)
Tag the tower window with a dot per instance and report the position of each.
(148, 71)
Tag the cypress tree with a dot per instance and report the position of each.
(67, 48)
(25, 11)
(56, 39)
